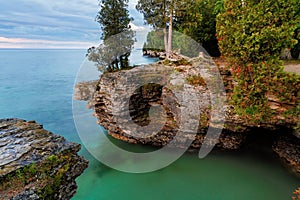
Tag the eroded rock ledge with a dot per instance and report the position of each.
(113, 89)
(35, 163)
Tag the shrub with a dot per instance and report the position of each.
(252, 35)
(296, 195)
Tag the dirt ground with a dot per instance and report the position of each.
(292, 68)
(289, 67)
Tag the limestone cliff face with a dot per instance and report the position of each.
(157, 84)
(124, 98)
(84, 91)
(154, 84)
(36, 164)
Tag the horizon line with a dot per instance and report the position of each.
(45, 48)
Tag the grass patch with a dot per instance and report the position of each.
(196, 81)
(46, 175)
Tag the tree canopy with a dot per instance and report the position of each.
(161, 14)
(194, 18)
(252, 35)
(198, 20)
(117, 36)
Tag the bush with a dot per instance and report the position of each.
(296, 195)
(252, 35)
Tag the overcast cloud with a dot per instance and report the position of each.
(54, 23)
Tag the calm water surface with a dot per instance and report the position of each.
(38, 84)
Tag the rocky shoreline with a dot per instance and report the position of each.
(288, 150)
(154, 54)
(113, 88)
(35, 163)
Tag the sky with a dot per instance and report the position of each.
(54, 23)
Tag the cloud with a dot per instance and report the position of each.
(55, 20)
(33, 43)
(138, 28)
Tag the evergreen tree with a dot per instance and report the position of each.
(161, 14)
(195, 18)
(117, 36)
(155, 14)
(296, 50)
(252, 35)
(219, 7)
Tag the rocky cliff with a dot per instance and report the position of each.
(114, 89)
(35, 163)
(124, 98)
(84, 91)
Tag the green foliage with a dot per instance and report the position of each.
(295, 52)
(252, 35)
(161, 14)
(118, 37)
(256, 31)
(52, 159)
(189, 18)
(219, 7)
(20, 175)
(155, 12)
(46, 175)
(296, 195)
(194, 18)
(155, 41)
(187, 46)
(199, 22)
(30, 170)
(113, 17)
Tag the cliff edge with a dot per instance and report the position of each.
(35, 163)
(126, 97)
(123, 101)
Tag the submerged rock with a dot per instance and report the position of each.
(35, 163)
(288, 150)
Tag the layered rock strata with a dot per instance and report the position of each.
(35, 163)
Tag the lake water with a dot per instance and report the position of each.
(38, 85)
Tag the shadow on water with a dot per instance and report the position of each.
(254, 172)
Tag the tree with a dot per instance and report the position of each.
(117, 36)
(252, 35)
(296, 50)
(198, 20)
(155, 14)
(154, 42)
(161, 14)
(195, 18)
(181, 42)
(219, 7)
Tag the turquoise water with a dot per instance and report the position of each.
(38, 84)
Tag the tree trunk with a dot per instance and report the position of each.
(165, 39)
(121, 62)
(286, 54)
(169, 49)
